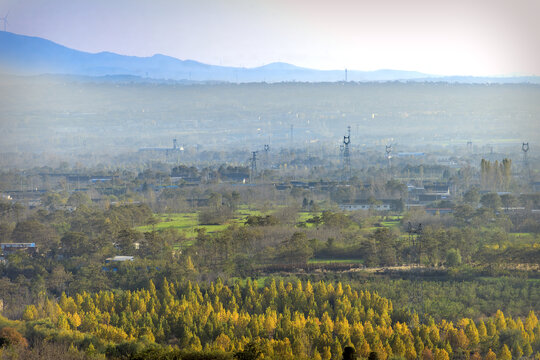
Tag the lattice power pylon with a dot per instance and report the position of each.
(253, 170)
(525, 149)
(347, 154)
(388, 151)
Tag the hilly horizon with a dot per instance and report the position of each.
(26, 55)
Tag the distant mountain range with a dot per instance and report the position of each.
(25, 55)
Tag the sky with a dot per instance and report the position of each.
(454, 37)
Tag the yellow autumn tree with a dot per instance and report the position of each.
(441, 354)
(505, 353)
(30, 313)
(222, 342)
(490, 355)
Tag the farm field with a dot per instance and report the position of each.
(188, 222)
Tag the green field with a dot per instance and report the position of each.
(390, 224)
(304, 216)
(188, 222)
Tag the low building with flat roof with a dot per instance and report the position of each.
(120, 258)
(11, 247)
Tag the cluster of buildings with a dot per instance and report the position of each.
(9, 248)
(417, 197)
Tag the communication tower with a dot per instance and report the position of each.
(172, 154)
(525, 150)
(346, 153)
(388, 151)
(253, 172)
(4, 19)
(292, 136)
(266, 155)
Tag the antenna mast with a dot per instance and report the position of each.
(292, 136)
(388, 151)
(347, 154)
(4, 19)
(253, 171)
(266, 157)
(525, 149)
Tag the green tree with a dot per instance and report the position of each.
(126, 240)
(296, 249)
(385, 242)
(491, 201)
(505, 353)
(78, 198)
(77, 244)
(472, 197)
(32, 231)
(509, 201)
(251, 352)
(453, 258)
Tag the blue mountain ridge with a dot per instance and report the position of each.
(26, 55)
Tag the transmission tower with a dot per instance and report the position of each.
(292, 136)
(4, 19)
(388, 151)
(525, 150)
(347, 154)
(266, 156)
(416, 296)
(253, 172)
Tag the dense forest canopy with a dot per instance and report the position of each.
(284, 320)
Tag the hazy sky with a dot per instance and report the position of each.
(465, 37)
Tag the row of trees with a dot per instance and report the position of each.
(496, 176)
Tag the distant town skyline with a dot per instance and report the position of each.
(460, 37)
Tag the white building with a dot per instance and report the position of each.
(119, 259)
(354, 207)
